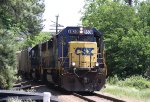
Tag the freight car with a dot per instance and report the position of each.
(73, 59)
(24, 62)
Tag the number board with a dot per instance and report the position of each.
(87, 31)
(73, 31)
(77, 31)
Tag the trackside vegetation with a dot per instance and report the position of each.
(18, 19)
(18, 100)
(136, 87)
(126, 31)
(7, 60)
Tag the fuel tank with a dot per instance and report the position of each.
(82, 54)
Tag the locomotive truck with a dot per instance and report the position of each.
(73, 59)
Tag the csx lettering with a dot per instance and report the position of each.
(84, 51)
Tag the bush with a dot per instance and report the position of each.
(128, 93)
(7, 60)
(113, 80)
(135, 81)
(7, 78)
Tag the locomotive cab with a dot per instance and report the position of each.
(84, 51)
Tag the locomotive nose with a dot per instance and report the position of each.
(82, 54)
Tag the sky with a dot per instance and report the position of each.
(68, 11)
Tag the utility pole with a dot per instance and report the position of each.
(130, 2)
(57, 24)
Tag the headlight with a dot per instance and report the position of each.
(97, 64)
(73, 63)
(81, 30)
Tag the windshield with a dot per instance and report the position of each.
(83, 38)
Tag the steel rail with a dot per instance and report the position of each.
(98, 95)
(108, 98)
(24, 87)
(82, 97)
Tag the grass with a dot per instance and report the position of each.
(133, 93)
(129, 89)
(18, 100)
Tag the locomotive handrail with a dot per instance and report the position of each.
(64, 61)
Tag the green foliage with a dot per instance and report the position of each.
(126, 34)
(17, 18)
(128, 93)
(135, 81)
(40, 38)
(25, 17)
(18, 100)
(7, 77)
(136, 87)
(113, 80)
(7, 60)
(131, 55)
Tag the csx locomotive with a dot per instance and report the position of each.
(73, 59)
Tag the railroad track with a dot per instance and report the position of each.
(94, 97)
(89, 97)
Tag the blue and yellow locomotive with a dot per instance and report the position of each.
(73, 59)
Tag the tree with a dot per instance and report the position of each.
(127, 46)
(7, 60)
(17, 18)
(25, 16)
(41, 37)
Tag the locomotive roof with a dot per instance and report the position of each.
(68, 30)
(65, 31)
